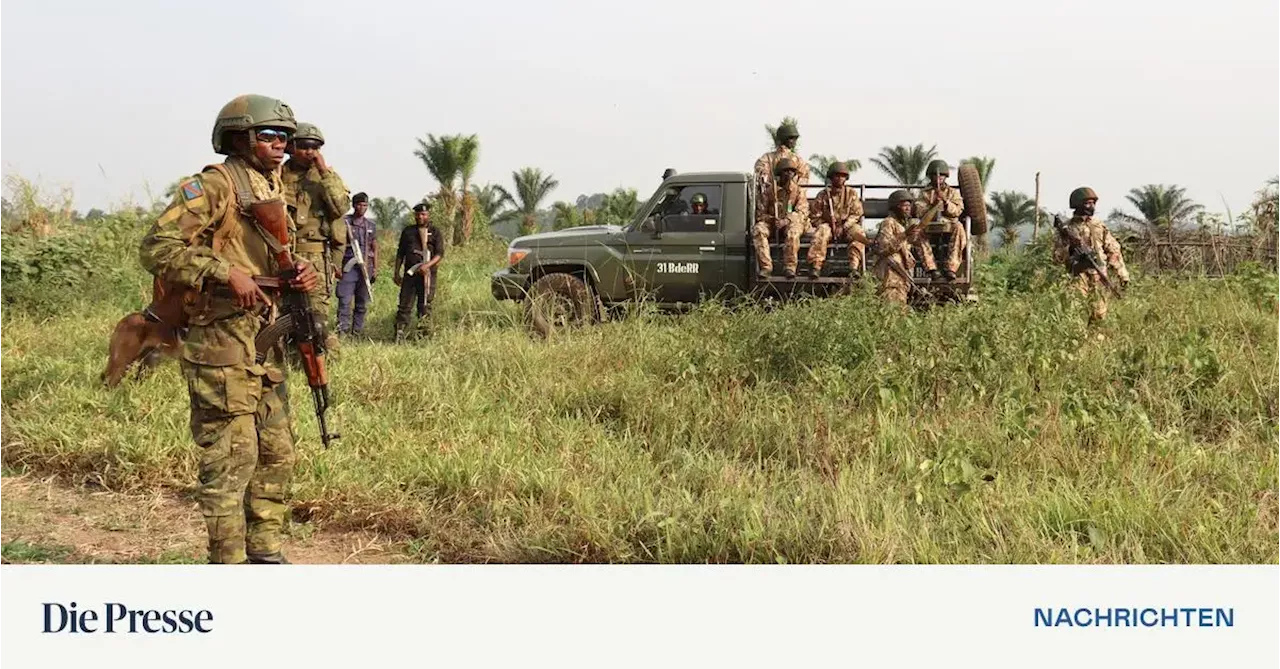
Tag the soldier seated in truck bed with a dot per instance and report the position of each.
(946, 236)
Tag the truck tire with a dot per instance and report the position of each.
(558, 301)
(975, 203)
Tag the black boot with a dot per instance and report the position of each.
(276, 558)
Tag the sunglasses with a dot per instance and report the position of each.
(270, 135)
(307, 144)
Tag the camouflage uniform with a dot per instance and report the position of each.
(1095, 234)
(239, 408)
(793, 209)
(946, 222)
(838, 216)
(318, 202)
(894, 242)
(766, 164)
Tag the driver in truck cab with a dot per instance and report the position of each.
(782, 207)
(946, 205)
(699, 204)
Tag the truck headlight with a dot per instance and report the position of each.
(515, 255)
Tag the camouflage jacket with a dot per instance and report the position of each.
(764, 167)
(791, 204)
(893, 238)
(952, 205)
(1094, 233)
(836, 208)
(318, 202)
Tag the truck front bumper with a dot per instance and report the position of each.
(508, 285)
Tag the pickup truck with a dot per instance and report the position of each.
(674, 258)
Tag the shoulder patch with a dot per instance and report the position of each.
(192, 190)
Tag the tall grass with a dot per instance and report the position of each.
(831, 430)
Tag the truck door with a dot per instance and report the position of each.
(678, 252)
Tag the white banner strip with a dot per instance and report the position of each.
(642, 616)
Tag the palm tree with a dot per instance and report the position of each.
(388, 210)
(985, 165)
(1008, 211)
(819, 163)
(532, 187)
(468, 155)
(905, 164)
(773, 130)
(488, 201)
(440, 155)
(1161, 208)
(566, 216)
(618, 207)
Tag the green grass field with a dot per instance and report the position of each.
(823, 431)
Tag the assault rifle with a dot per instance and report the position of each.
(1082, 256)
(297, 320)
(357, 258)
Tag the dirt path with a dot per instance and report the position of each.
(44, 522)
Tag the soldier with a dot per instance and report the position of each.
(946, 221)
(782, 208)
(207, 241)
(892, 248)
(699, 204)
(836, 214)
(1093, 233)
(785, 139)
(318, 198)
(421, 246)
(364, 233)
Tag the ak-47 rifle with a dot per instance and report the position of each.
(297, 321)
(357, 258)
(1082, 256)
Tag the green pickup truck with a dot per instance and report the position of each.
(673, 257)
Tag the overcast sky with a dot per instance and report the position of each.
(109, 96)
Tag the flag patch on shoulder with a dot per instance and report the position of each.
(192, 190)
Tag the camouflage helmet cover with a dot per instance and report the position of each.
(250, 111)
(898, 197)
(785, 131)
(309, 131)
(699, 198)
(937, 167)
(783, 165)
(837, 167)
(1079, 195)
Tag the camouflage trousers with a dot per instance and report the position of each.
(240, 422)
(955, 257)
(893, 288)
(848, 232)
(1088, 285)
(321, 299)
(792, 227)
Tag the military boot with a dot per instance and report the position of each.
(275, 558)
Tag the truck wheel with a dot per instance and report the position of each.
(975, 203)
(557, 301)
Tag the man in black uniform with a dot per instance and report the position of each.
(419, 253)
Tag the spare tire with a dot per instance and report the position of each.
(975, 203)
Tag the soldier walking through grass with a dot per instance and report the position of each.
(418, 255)
(1093, 237)
(208, 241)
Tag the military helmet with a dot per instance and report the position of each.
(785, 132)
(250, 111)
(783, 165)
(937, 167)
(698, 198)
(837, 168)
(1079, 195)
(309, 131)
(898, 197)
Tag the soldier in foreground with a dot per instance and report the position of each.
(209, 240)
(892, 246)
(1084, 234)
(946, 220)
(318, 198)
(836, 213)
(418, 255)
(361, 232)
(781, 208)
(784, 139)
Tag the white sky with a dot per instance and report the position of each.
(109, 96)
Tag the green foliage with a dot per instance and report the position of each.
(905, 164)
(1161, 209)
(818, 165)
